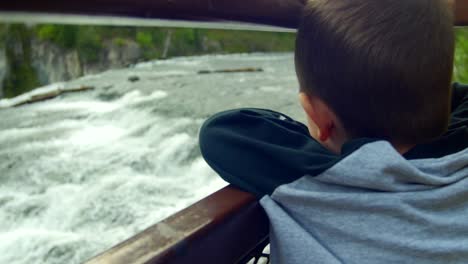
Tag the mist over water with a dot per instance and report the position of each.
(84, 171)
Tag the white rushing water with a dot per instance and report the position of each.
(84, 171)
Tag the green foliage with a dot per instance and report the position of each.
(46, 32)
(159, 35)
(89, 44)
(109, 32)
(144, 39)
(120, 42)
(85, 39)
(65, 36)
(461, 56)
(182, 42)
(3, 33)
(249, 41)
(197, 41)
(151, 40)
(88, 40)
(22, 77)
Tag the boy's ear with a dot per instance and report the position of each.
(319, 113)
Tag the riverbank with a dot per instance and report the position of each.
(33, 56)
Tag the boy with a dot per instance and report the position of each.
(380, 174)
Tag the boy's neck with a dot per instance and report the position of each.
(403, 148)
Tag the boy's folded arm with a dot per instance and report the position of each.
(459, 95)
(459, 116)
(258, 150)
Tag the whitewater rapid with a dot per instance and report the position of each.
(84, 171)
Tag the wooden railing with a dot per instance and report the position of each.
(228, 226)
(284, 13)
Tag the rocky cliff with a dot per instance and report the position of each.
(54, 64)
(51, 63)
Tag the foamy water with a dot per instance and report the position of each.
(84, 171)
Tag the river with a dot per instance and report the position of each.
(84, 171)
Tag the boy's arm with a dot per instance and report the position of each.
(258, 150)
(459, 116)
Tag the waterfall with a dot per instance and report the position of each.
(84, 171)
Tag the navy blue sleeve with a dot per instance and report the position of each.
(258, 150)
(459, 117)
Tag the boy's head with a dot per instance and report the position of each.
(381, 68)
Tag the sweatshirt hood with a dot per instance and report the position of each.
(378, 166)
(374, 206)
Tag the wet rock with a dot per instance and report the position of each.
(133, 79)
(109, 96)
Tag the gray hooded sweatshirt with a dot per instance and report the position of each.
(368, 204)
(374, 206)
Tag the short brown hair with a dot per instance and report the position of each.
(383, 66)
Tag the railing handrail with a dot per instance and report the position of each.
(221, 228)
(283, 13)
